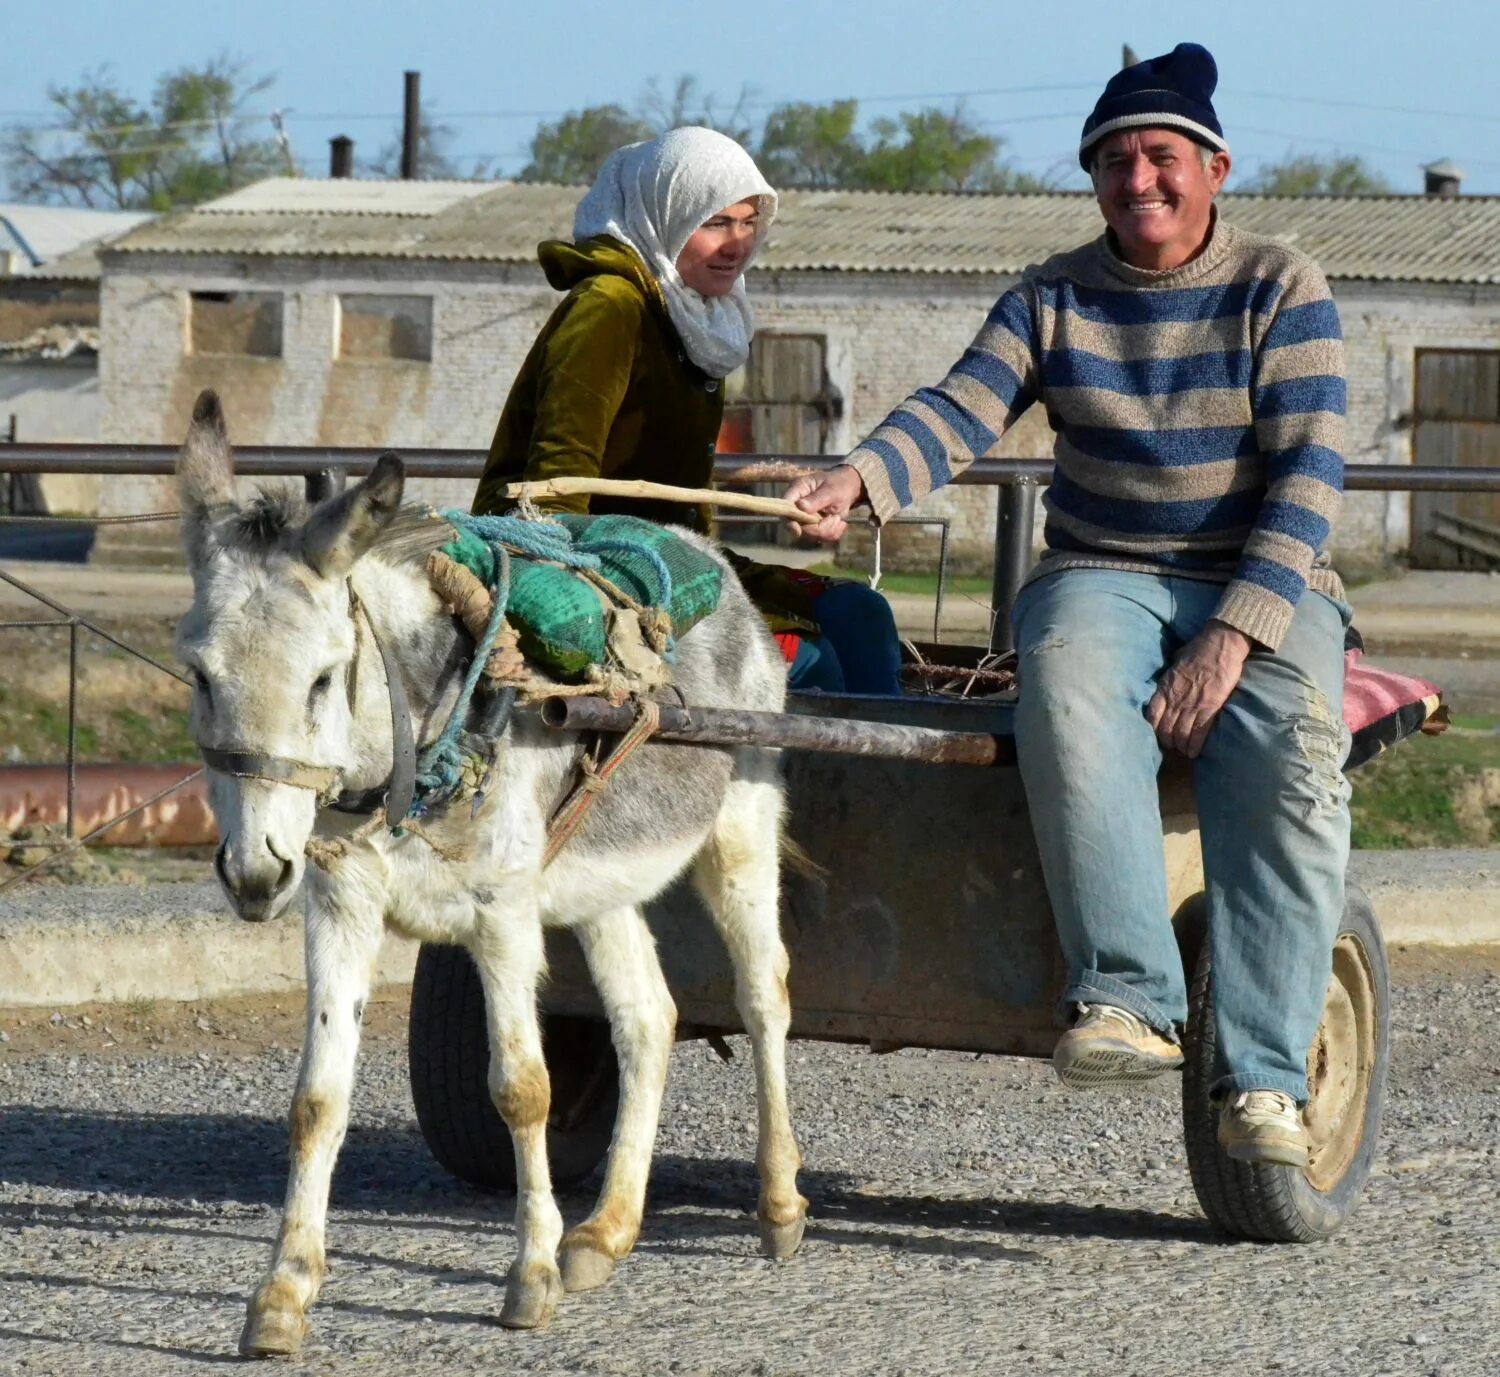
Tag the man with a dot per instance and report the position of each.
(1194, 378)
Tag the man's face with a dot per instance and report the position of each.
(1156, 194)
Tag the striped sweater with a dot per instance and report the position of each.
(1199, 419)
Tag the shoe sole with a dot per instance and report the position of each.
(1277, 1154)
(1098, 1068)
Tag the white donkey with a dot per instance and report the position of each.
(297, 617)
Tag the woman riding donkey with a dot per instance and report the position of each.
(625, 380)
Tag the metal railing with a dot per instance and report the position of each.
(326, 470)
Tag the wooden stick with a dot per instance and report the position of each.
(661, 492)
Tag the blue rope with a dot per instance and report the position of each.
(543, 539)
(438, 766)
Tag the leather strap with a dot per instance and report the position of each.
(323, 780)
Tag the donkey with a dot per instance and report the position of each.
(291, 706)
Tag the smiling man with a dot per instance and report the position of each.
(1193, 376)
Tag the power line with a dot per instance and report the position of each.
(1364, 105)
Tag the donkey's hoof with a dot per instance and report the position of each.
(275, 1326)
(531, 1296)
(780, 1241)
(584, 1268)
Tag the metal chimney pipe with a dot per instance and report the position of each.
(341, 156)
(411, 123)
(1442, 178)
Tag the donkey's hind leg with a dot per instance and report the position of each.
(737, 874)
(343, 940)
(509, 955)
(642, 1017)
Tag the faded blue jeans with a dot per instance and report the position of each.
(1272, 808)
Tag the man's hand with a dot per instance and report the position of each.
(1195, 686)
(830, 496)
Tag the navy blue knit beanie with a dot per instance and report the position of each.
(1174, 91)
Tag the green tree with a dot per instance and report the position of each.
(1338, 174)
(189, 142)
(938, 150)
(573, 148)
(809, 145)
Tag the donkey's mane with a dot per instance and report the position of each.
(264, 523)
(413, 534)
(260, 525)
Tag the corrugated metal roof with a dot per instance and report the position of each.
(1391, 238)
(59, 241)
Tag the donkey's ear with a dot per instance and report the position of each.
(205, 472)
(344, 527)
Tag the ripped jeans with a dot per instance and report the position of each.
(1272, 806)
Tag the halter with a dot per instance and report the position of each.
(326, 781)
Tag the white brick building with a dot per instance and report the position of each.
(363, 313)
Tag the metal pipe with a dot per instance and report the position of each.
(411, 124)
(72, 722)
(68, 847)
(341, 156)
(1015, 516)
(299, 460)
(787, 731)
(36, 796)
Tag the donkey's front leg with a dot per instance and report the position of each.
(510, 956)
(342, 942)
(622, 959)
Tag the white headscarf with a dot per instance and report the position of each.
(653, 196)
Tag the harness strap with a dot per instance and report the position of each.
(403, 785)
(323, 780)
(593, 779)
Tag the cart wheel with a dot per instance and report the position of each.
(448, 1057)
(1346, 1069)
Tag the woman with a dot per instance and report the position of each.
(625, 379)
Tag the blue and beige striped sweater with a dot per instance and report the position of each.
(1199, 418)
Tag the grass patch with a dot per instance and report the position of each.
(1430, 791)
(924, 584)
(36, 731)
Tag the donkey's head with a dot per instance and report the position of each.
(270, 642)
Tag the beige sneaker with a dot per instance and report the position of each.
(1109, 1046)
(1263, 1126)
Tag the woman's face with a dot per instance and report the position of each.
(716, 253)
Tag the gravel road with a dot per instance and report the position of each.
(968, 1217)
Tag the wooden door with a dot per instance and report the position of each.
(1457, 423)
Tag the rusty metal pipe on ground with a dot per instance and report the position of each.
(37, 796)
(834, 735)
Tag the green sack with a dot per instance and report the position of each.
(557, 613)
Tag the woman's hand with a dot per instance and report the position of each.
(829, 496)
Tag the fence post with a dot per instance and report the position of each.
(1015, 515)
(325, 483)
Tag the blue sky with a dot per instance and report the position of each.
(1397, 83)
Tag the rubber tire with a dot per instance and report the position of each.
(448, 1060)
(1266, 1201)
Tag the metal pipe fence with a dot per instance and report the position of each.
(326, 470)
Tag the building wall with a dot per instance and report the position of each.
(54, 402)
(889, 333)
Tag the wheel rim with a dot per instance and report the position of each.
(1340, 1064)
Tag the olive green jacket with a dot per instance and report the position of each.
(606, 392)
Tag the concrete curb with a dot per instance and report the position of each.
(74, 945)
(77, 945)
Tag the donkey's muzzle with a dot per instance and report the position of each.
(258, 890)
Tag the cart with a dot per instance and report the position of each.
(946, 941)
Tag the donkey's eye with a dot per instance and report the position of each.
(320, 686)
